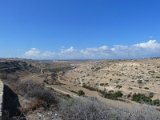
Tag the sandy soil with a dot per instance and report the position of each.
(130, 76)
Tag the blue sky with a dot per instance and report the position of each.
(64, 29)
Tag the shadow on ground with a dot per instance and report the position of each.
(11, 105)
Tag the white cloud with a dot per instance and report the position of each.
(68, 50)
(99, 52)
(150, 48)
(103, 48)
(151, 44)
(47, 54)
(32, 52)
(69, 53)
(36, 53)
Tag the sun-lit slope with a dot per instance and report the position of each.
(128, 76)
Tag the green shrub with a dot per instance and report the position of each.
(156, 102)
(157, 76)
(102, 84)
(151, 94)
(146, 88)
(74, 91)
(89, 88)
(119, 86)
(112, 95)
(139, 81)
(141, 98)
(81, 93)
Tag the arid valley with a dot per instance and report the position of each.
(125, 89)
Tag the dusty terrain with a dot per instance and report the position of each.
(36, 83)
(130, 76)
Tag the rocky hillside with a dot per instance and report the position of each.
(130, 76)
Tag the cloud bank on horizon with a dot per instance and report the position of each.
(150, 48)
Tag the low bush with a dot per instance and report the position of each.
(151, 94)
(119, 86)
(81, 93)
(112, 95)
(74, 91)
(156, 102)
(32, 105)
(9, 78)
(89, 88)
(102, 84)
(139, 81)
(141, 98)
(83, 109)
(146, 88)
(91, 109)
(3, 76)
(36, 90)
